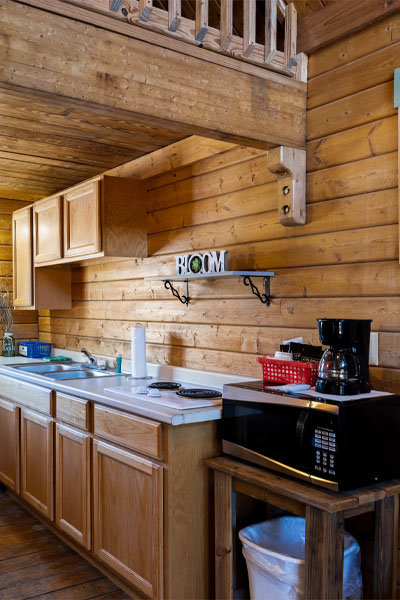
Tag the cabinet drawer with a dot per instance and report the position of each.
(32, 396)
(130, 431)
(74, 411)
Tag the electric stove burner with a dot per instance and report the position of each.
(165, 385)
(198, 393)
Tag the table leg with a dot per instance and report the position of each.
(386, 531)
(223, 536)
(323, 555)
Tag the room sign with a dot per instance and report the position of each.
(201, 264)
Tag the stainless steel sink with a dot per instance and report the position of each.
(78, 374)
(47, 368)
(63, 371)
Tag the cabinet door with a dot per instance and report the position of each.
(9, 445)
(82, 229)
(73, 483)
(47, 230)
(22, 258)
(37, 462)
(128, 516)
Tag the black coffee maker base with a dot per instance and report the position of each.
(339, 388)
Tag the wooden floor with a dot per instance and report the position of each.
(34, 563)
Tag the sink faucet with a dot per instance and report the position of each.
(91, 358)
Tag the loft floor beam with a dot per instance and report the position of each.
(64, 56)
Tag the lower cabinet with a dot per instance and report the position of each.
(9, 444)
(73, 483)
(128, 516)
(37, 462)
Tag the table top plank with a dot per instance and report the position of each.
(304, 492)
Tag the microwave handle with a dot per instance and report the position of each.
(300, 427)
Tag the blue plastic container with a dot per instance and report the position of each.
(34, 349)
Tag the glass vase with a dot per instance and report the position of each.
(8, 345)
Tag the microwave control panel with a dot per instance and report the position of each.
(324, 451)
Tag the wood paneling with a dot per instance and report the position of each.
(343, 262)
(341, 18)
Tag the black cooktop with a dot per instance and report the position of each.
(198, 393)
(165, 385)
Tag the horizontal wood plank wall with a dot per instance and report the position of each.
(343, 263)
(25, 321)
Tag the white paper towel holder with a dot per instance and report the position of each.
(137, 378)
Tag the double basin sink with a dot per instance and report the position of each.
(64, 371)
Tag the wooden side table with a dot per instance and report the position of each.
(324, 512)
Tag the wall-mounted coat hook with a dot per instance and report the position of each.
(289, 166)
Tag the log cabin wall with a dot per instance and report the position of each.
(342, 263)
(25, 321)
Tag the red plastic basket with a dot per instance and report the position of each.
(288, 371)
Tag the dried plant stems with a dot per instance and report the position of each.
(6, 307)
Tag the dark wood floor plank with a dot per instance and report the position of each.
(13, 518)
(117, 595)
(64, 561)
(84, 591)
(13, 534)
(33, 558)
(36, 565)
(26, 547)
(32, 589)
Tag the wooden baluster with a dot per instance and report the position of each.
(271, 20)
(201, 19)
(226, 24)
(174, 14)
(115, 5)
(145, 8)
(290, 36)
(249, 26)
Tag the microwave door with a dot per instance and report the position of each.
(278, 432)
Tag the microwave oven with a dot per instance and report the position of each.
(337, 442)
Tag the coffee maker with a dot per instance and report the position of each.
(343, 369)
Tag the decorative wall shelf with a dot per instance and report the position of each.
(248, 276)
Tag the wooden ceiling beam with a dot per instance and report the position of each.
(155, 86)
(339, 19)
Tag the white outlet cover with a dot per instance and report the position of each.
(373, 349)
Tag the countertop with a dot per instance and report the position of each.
(93, 389)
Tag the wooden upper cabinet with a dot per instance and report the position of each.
(82, 220)
(106, 216)
(47, 233)
(22, 258)
(42, 287)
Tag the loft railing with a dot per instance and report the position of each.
(222, 40)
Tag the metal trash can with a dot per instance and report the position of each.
(274, 552)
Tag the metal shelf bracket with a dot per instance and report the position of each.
(289, 166)
(184, 299)
(264, 298)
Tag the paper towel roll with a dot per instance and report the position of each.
(138, 351)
